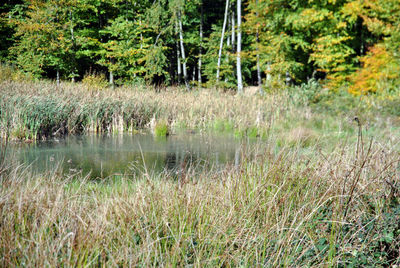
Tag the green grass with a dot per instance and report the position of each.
(161, 129)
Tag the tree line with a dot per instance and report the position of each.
(225, 43)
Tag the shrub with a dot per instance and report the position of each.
(95, 81)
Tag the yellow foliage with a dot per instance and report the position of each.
(378, 66)
(95, 81)
(9, 73)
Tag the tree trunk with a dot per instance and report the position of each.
(201, 46)
(228, 39)
(179, 67)
(288, 79)
(72, 26)
(112, 79)
(58, 78)
(73, 42)
(185, 77)
(268, 80)
(258, 68)
(239, 48)
(222, 39)
(233, 31)
(258, 59)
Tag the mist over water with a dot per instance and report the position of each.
(106, 155)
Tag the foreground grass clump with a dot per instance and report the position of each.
(276, 209)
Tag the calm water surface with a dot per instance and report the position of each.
(102, 156)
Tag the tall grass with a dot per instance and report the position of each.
(41, 109)
(281, 208)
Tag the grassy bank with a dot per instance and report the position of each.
(276, 209)
(38, 110)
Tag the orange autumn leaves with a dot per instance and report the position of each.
(378, 67)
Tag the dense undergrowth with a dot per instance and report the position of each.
(275, 209)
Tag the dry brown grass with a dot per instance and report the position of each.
(285, 206)
(284, 209)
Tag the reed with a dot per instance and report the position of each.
(41, 109)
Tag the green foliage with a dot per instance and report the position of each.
(44, 39)
(137, 41)
(382, 249)
(125, 53)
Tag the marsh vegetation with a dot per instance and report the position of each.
(323, 189)
(306, 91)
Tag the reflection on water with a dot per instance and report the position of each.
(128, 155)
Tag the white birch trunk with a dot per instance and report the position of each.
(112, 79)
(239, 48)
(233, 31)
(228, 39)
(268, 80)
(73, 41)
(222, 39)
(201, 47)
(183, 51)
(179, 66)
(258, 68)
(258, 59)
(58, 78)
(288, 79)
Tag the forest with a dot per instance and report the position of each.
(200, 133)
(350, 45)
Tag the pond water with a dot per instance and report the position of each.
(102, 156)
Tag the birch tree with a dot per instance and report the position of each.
(185, 77)
(258, 57)
(239, 48)
(201, 44)
(221, 44)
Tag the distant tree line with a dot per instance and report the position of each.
(205, 42)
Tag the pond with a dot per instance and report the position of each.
(102, 156)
